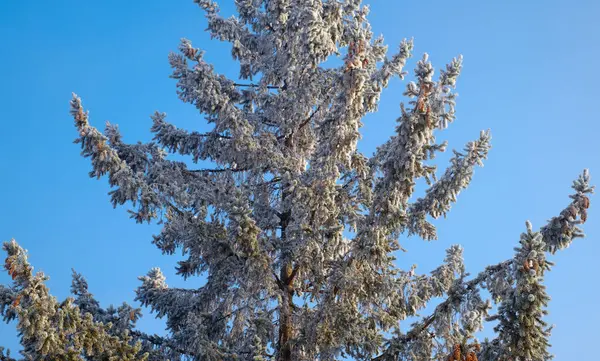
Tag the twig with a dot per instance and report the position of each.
(257, 86)
(219, 170)
(302, 125)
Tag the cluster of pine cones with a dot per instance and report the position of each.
(458, 354)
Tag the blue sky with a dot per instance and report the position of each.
(530, 75)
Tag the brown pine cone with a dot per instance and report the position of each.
(471, 356)
(456, 353)
(585, 202)
(17, 301)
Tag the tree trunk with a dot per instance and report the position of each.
(285, 314)
(287, 303)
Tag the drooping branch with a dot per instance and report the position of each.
(456, 294)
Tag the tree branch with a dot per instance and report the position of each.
(256, 86)
(302, 125)
(293, 274)
(219, 170)
(278, 281)
(427, 321)
(159, 341)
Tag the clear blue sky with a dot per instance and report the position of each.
(530, 74)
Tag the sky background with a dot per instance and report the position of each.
(530, 75)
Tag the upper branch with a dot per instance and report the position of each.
(443, 193)
(564, 228)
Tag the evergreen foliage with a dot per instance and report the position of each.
(294, 229)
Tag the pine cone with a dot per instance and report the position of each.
(456, 353)
(12, 271)
(189, 51)
(421, 105)
(17, 301)
(585, 202)
(471, 356)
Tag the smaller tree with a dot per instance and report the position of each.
(522, 328)
(50, 330)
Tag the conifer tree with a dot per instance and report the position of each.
(294, 229)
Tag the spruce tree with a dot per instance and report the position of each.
(293, 228)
